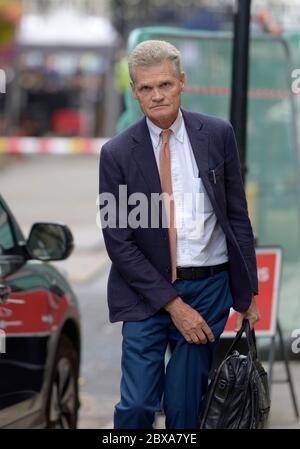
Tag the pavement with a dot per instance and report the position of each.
(88, 258)
(282, 414)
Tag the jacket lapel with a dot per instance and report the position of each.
(143, 154)
(200, 146)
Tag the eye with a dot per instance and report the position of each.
(145, 88)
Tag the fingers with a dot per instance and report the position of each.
(208, 332)
(238, 321)
(252, 317)
(201, 335)
(191, 325)
(193, 338)
(201, 338)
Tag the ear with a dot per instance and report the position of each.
(182, 80)
(133, 89)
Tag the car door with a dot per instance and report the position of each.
(24, 325)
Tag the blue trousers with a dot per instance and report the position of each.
(182, 384)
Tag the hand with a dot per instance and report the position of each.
(189, 322)
(252, 314)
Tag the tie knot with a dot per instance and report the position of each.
(165, 135)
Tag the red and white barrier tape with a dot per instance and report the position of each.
(50, 145)
(81, 145)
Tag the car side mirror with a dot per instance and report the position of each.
(49, 241)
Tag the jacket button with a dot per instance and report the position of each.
(168, 270)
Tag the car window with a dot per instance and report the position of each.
(6, 235)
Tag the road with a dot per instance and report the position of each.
(100, 371)
(64, 188)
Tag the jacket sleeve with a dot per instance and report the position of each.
(120, 244)
(237, 210)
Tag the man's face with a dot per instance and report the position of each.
(158, 91)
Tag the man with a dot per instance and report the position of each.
(173, 285)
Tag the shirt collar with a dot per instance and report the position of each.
(176, 127)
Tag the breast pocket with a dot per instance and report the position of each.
(216, 174)
(217, 179)
(205, 204)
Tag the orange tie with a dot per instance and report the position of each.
(166, 187)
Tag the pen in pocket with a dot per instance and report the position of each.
(214, 176)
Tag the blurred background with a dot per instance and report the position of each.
(67, 91)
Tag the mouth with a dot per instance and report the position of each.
(159, 106)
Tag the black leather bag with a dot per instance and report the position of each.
(238, 394)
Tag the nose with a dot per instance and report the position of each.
(157, 95)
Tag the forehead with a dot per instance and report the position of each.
(154, 73)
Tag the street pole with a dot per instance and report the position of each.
(238, 116)
(239, 83)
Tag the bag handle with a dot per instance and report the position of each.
(250, 337)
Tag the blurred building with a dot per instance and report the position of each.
(285, 13)
(87, 7)
(194, 14)
(61, 74)
(66, 72)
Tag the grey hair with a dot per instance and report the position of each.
(152, 52)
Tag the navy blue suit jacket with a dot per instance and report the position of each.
(139, 282)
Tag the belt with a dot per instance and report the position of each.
(200, 272)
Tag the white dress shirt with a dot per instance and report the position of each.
(194, 248)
